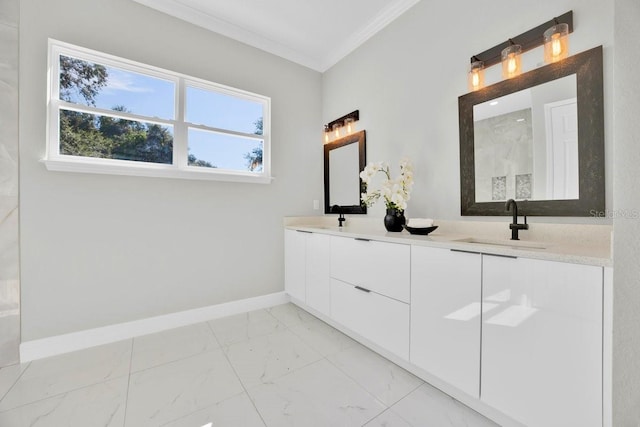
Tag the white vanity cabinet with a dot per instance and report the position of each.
(380, 319)
(542, 341)
(446, 292)
(520, 338)
(317, 273)
(295, 256)
(307, 269)
(370, 290)
(377, 266)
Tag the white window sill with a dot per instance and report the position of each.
(152, 170)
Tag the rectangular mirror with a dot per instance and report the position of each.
(537, 137)
(526, 144)
(344, 159)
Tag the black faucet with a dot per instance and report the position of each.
(514, 226)
(341, 218)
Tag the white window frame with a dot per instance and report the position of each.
(55, 161)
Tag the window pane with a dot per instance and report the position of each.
(88, 83)
(217, 110)
(215, 150)
(90, 135)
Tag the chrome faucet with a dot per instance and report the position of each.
(514, 226)
(338, 209)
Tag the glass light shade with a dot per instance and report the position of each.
(336, 131)
(511, 61)
(349, 126)
(476, 76)
(556, 43)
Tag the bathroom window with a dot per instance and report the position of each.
(112, 115)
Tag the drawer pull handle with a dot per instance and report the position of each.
(464, 252)
(362, 289)
(361, 239)
(501, 256)
(304, 231)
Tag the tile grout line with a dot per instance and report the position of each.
(224, 353)
(15, 382)
(64, 393)
(361, 387)
(126, 396)
(326, 357)
(384, 412)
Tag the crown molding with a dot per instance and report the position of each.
(380, 21)
(187, 13)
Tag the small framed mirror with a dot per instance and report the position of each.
(537, 137)
(344, 159)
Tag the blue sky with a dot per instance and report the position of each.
(154, 97)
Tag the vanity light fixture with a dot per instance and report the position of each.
(344, 126)
(556, 43)
(476, 74)
(531, 39)
(511, 61)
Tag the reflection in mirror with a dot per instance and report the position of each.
(537, 137)
(344, 159)
(526, 144)
(342, 170)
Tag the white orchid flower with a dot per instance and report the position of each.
(396, 192)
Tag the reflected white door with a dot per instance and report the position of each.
(561, 120)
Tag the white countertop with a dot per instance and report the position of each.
(571, 250)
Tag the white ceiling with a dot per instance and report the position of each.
(313, 33)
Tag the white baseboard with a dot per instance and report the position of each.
(51, 346)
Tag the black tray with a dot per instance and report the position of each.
(420, 230)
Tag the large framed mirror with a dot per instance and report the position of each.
(539, 138)
(344, 159)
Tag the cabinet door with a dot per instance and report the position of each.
(379, 266)
(294, 263)
(446, 315)
(542, 341)
(382, 320)
(318, 289)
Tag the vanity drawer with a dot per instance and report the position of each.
(378, 266)
(382, 320)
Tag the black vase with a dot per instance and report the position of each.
(394, 220)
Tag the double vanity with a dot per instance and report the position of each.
(518, 330)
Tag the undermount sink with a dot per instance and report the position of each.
(326, 227)
(516, 244)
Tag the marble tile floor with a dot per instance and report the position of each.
(274, 367)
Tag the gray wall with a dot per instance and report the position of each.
(626, 225)
(406, 81)
(101, 249)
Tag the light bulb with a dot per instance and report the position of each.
(556, 46)
(556, 43)
(475, 79)
(476, 75)
(512, 65)
(511, 61)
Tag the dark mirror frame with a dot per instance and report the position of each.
(588, 69)
(360, 139)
